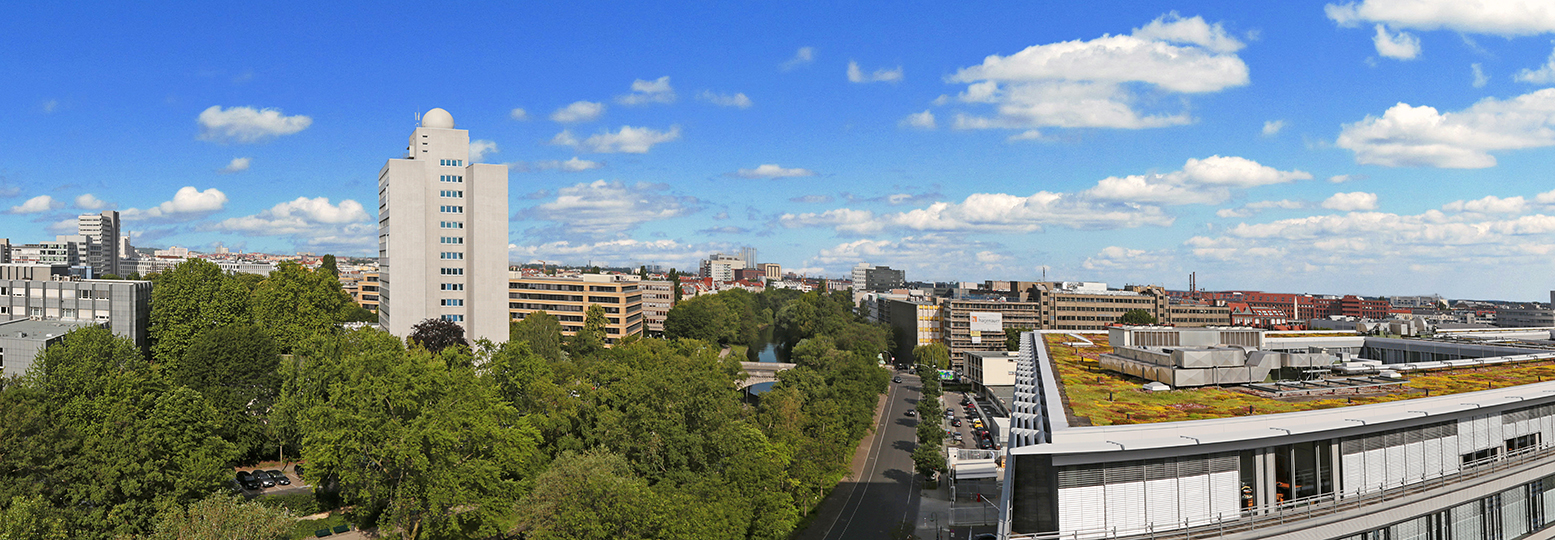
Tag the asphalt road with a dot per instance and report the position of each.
(869, 505)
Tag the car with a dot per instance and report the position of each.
(957, 436)
(912, 412)
(280, 478)
(983, 445)
(264, 479)
(955, 422)
(298, 471)
(247, 480)
(896, 379)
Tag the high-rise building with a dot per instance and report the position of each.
(443, 235)
(748, 254)
(721, 267)
(103, 252)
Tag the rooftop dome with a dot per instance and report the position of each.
(437, 118)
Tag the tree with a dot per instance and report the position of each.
(134, 276)
(928, 460)
(31, 518)
(591, 339)
(593, 496)
(446, 440)
(109, 276)
(542, 331)
(295, 303)
(702, 317)
(221, 517)
(437, 334)
(235, 369)
(675, 292)
(327, 265)
(351, 311)
(1137, 317)
(642, 272)
(932, 356)
(188, 300)
(1012, 338)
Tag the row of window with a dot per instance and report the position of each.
(451, 162)
(448, 209)
(453, 271)
(453, 318)
(452, 255)
(451, 178)
(453, 302)
(453, 286)
(451, 224)
(451, 239)
(451, 193)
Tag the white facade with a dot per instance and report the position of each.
(103, 251)
(443, 235)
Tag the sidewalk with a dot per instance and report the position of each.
(934, 505)
(836, 501)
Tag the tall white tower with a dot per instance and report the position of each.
(103, 229)
(443, 235)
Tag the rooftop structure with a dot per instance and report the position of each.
(21, 341)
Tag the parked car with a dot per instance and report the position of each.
(957, 436)
(279, 477)
(896, 379)
(955, 422)
(264, 479)
(247, 480)
(912, 412)
(298, 471)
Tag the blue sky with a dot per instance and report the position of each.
(1375, 147)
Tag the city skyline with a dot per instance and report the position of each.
(1328, 147)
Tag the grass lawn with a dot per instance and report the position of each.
(1088, 389)
(738, 351)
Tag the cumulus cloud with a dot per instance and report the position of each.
(1342, 178)
(804, 56)
(247, 124)
(628, 140)
(1409, 136)
(771, 170)
(1115, 258)
(725, 100)
(572, 165)
(578, 111)
(1544, 75)
(1095, 83)
(1490, 204)
(1247, 210)
(479, 149)
(1273, 127)
(1201, 181)
(187, 204)
(605, 208)
(645, 92)
(310, 223)
(1401, 45)
(1495, 17)
(922, 120)
(1354, 201)
(87, 201)
(518, 114)
(237, 165)
(36, 205)
(616, 252)
(857, 75)
(924, 254)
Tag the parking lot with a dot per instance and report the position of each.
(970, 434)
(287, 480)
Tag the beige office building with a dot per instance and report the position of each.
(568, 298)
(443, 235)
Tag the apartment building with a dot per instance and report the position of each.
(48, 292)
(443, 235)
(658, 298)
(363, 289)
(915, 321)
(568, 299)
(994, 314)
(103, 249)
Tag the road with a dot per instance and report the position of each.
(883, 492)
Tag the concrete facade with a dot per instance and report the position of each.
(443, 235)
(21, 340)
(568, 299)
(122, 306)
(658, 298)
(103, 250)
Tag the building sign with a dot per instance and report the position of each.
(977, 337)
(947, 375)
(987, 321)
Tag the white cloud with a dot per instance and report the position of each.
(1408, 136)
(1341, 178)
(1028, 135)
(725, 100)
(1201, 181)
(628, 140)
(1403, 45)
(1544, 75)
(578, 111)
(922, 120)
(572, 165)
(1273, 127)
(1114, 258)
(1490, 204)
(247, 124)
(821, 199)
(771, 170)
(605, 208)
(1496, 17)
(645, 92)
(616, 252)
(1480, 78)
(1354, 201)
(1247, 210)
(87, 201)
(237, 165)
(310, 222)
(921, 254)
(518, 114)
(855, 74)
(479, 149)
(36, 205)
(803, 56)
(1094, 83)
(187, 204)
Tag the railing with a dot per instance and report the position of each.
(1306, 508)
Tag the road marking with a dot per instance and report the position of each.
(874, 450)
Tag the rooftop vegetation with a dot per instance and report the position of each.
(1098, 397)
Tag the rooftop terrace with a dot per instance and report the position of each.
(1093, 396)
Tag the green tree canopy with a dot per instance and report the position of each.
(188, 300)
(933, 356)
(1137, 317)
(1012, 338)
(702, 317)
(295, 303)
(224, 517)
(327, 265)
(235, 369)
(542, 331)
